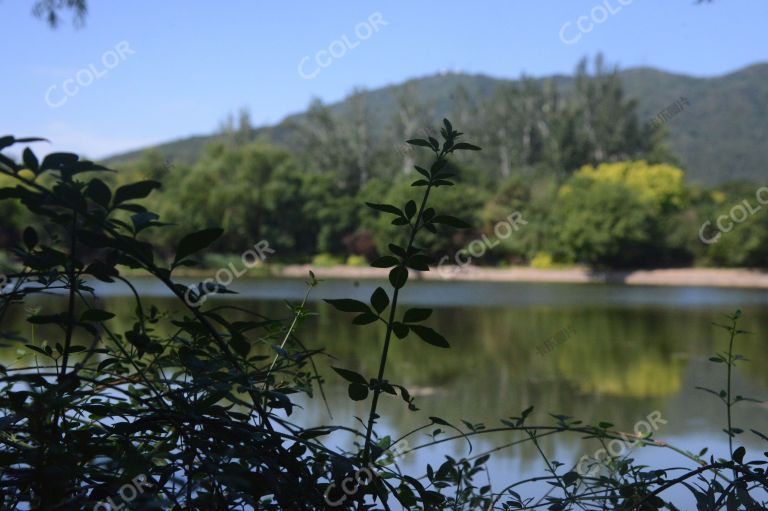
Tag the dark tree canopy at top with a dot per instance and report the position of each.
(50, 10)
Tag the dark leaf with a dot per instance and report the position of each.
(570, 478)
(96, 315)
(195, 242)
(134, 191)
(385, 262)
(465, 147)
(423, 172)
(47, 319)
(451, 221)
(386, 208)
(351, 376)
(365, 318)
(106, 363)
(349, 305)
(437, 166)
(101, 271)
(30, 238)
(738, 454)
(397, 250)
(410, 209)
(420, 262)
(58, 161)
(400, 221)
(30, 160)
(99, 192)
(357, 392)
(416, 315)
(429, 336)
(398, 277)
(401, 330)
(241, 345)
(143, 220)
(379, 300)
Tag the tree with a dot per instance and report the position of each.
(240, 132)
(49, 9)
(322, 145)
(226, 187)
(532, 199)
(612, 215)
(411, 113)
(745, 243)
(358, 135)
(306, 213)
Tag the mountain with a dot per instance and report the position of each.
(719, 135)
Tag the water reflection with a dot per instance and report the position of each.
(630, 351)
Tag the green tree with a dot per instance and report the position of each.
(327, 142)
(612, 215)
(226, 187)
(745, 244)
(307, 213)
(532, 199)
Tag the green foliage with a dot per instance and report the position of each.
(746, 243)
(543, 261)
(356, 260)
(326, 260)
(225, 188)
(612, 215)
(605, 224)
(533, 200)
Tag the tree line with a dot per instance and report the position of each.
(596, 184)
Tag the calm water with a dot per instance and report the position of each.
(623, 353)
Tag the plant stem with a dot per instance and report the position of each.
(287, 335)
(388, 336)
(72, 276)
(728, 392)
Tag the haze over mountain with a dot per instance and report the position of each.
(718, 137)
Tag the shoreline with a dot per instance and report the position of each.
(682, 277)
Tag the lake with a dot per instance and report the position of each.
(595, 352)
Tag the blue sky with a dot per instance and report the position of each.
(184, 65)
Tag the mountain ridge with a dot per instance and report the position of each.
(719, 137)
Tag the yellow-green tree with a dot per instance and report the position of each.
(614, 214)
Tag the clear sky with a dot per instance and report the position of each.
(172, 68)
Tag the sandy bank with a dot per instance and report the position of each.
(741, 278)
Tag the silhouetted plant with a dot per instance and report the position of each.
(191, 414)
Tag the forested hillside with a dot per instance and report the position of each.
(717, 138)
